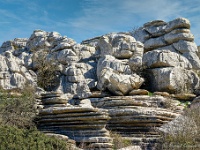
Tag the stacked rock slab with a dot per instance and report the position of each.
(136, 117)
(170, 55)
(82, 123)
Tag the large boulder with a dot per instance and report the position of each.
(121, 46)
(165, 58)
(13, 74)
(173, 80)
(79, 121)
(119, 84)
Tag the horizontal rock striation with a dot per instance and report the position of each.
(82, 123)
(135, 117)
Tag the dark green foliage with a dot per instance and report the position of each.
(47, 71)
(13, 138)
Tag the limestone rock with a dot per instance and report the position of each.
(179, 34)
(140, 34)
(66, 56)
(82, 105)
(7, 46)
(173, 80)
(195, 103)
(155, 28)
(154, 43)
(139, 92)
(134, 116)
(41, 40)
(12, 62)
(181, 124)
(122, 46)
(165, 94)
(117, 83)
(189, 50)
(174, 36)
(3, 64)
(13, 74)
(177, 23)
(109, 61)
(184, 96)
(165, 58)
(131, 148)
(80, 122)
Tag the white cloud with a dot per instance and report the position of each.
(97, 17)
(107, 16)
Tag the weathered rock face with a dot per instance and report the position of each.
(14, 75)
(171, 54)
(120, 55)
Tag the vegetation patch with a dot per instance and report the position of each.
(119, 141)
(17, 127)
(184, 134)
(13, 138)
(17, 109)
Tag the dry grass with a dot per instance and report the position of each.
(183, 134)
(119, 141)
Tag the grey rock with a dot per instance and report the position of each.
(173, 80)
(189, 50)
(140, 34)
(109, 61)
(179, 34)
(177, 23)
(165, 58)
(67, 56)
(154, 43)
(117, 83)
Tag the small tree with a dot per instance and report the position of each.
(47, 71)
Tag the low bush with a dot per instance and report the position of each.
(13, 138)
(183, 134)
(17, 128)
(16, 109)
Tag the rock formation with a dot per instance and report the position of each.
(170, 55)
(103, 83)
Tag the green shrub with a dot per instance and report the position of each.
(47, 70)
(17, 128)
(13, 138)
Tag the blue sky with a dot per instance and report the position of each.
(83, 19)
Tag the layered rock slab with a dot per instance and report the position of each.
(135, 116)
(82, 123)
